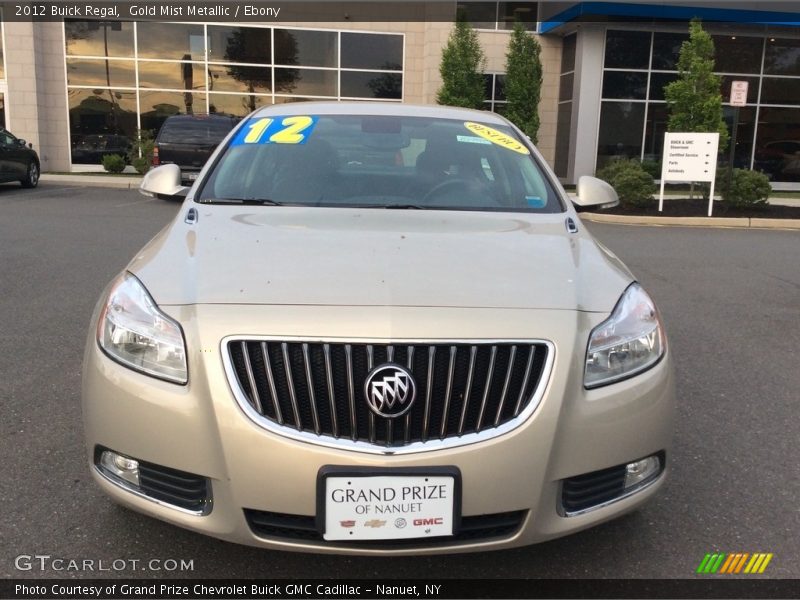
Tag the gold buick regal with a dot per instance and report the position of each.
(377, 328)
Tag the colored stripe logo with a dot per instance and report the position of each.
(734, 563)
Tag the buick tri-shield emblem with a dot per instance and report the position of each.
(390, 390)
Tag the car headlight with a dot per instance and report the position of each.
(630, 341)
(134, 332)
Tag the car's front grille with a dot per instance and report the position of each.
(318, 388)
(303, 528)
(185, 490)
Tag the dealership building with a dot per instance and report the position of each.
(79, 88)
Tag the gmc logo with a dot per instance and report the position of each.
(423, 522)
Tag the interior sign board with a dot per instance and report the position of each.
(689, 157)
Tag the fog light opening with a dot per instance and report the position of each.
(121, 467)
(641, 471)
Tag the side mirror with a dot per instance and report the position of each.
(21, 142)
(163, 181)
(595, 192)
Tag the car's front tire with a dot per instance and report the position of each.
(31, 179)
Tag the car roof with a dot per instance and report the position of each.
(395, 109)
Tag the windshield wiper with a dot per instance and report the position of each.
(259, 201)
(404, 206)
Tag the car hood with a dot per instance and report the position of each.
(234, 254)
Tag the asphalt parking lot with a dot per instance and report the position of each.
(731, 303)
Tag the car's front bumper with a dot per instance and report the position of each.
(199, 428)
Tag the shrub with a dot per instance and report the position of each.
(634, 186)
(461, 68)
(114, 163)
(748, 189)
(653, 168)
(141, 164)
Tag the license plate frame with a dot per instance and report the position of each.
(391, 529)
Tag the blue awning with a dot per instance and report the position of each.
(592, 11)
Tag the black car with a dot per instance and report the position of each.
(92, 149)
(18, 161)
(188, 141)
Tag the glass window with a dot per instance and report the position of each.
(621, 126)
(780, 91)
(563, 125)
(778, 143)
(782, 57)
(499, 87)
(290, 99)
(494, 92)
(2, 61)
(157, 106)
(565, 87)
(307, 82)
(234, 104)
(744, 135)
(481, 15)
(170, 41)
(655, 128)
(101, 122)
(509, 13)
(99, 38)
(172, 75)
(305, 48)
(237, 78)
(568, 53)
(622, 84)
(240, 44)
(666, 49)
(488, 86)
(737, 54)
(106, 73)
(627, 49)
(372, 51)
(658, 81)
(363, 84)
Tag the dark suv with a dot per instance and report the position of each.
(188, 141)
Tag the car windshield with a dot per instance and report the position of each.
(379, 162)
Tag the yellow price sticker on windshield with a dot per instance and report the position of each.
(277, 130)
(496, 137)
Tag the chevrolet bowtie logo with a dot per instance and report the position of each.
(375, 523)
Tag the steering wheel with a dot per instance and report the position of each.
(446, 186)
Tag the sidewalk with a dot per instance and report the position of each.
(128, 182)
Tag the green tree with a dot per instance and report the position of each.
(462, 69)
(523, 83)
(694, 101)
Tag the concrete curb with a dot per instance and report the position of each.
(744, 223)
(106, 181)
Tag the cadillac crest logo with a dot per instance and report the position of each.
(390, 390)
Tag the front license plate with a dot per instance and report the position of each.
(388, 507)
